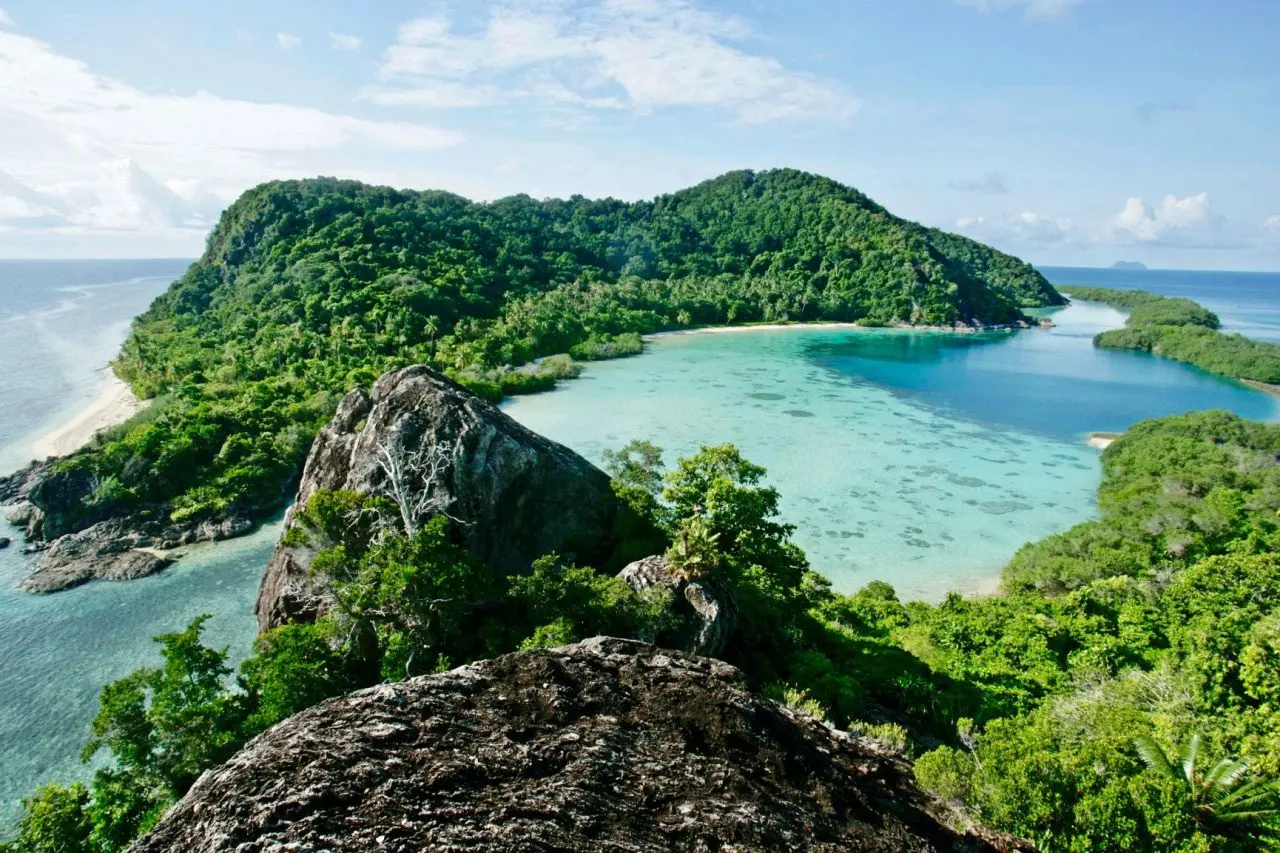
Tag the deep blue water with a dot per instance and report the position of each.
(1053, 383)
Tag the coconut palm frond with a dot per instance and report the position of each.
(1226, 773)
(1190, 752)
(1152, 754)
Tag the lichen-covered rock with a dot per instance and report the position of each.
(707, 612)
(513, 495)
(604, 745)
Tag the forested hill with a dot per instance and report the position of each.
(308, 288)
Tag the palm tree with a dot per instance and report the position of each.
(1225, 801)
(694, 550)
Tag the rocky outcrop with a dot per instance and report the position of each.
(104, 551)
(118, 548)
(419, 438)
(604, 745)
(706, 612)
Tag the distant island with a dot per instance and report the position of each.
(1128, 265)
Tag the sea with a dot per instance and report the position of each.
(923, 459)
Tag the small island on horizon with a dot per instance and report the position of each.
(1129, 265)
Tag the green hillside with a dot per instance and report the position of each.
(309, 288)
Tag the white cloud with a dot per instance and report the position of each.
(1271, 225)
(638, 54)
(1174, 221)
(5, 20)
(1026, 227)
(288, 42)
(1033, 8)
(88, 153)
(342, 41)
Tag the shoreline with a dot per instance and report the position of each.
(1264, 387)
(834, 325)
(114, 405)
(1103, 440)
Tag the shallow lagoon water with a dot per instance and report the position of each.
(922, 459)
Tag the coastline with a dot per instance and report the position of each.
(832, 325)
(1103, 440)
(114, 405)
(1264, 387)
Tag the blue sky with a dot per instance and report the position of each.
(1065, 131)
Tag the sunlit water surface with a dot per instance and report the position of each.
(922, 459)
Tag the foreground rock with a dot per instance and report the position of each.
(513, 495)
(706, 612)
(604, 745)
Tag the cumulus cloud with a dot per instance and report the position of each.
(87, 153)
(991, 182)
(287, 41)
(5, 20)
(1033, 8)
(1026, 227)
(342, 41)
(636, 54)
(1176, 221)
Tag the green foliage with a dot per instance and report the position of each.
(55, 820)
(1225, 800)
(1174, 490)
(309, 288)
(294, 667)
(796, 699)
(170, 724)
(695, 552)
(890, 736)
(947, 773)
(1161, 617)
(1182, 330)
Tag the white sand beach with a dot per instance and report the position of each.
(779, 327)
(116, 404)
(1103, 440)
(758, 327)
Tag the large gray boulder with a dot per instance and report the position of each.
(603, 745)
(422, 440)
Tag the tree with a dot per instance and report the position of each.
(55, 820)
(1226, 801)
(166, 726)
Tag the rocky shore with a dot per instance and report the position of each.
(121, 548)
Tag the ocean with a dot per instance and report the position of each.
(923, 459)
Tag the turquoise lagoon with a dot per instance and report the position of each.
(924, 459)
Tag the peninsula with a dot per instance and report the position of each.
(1183, 330)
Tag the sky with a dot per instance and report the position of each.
(1068, 132)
